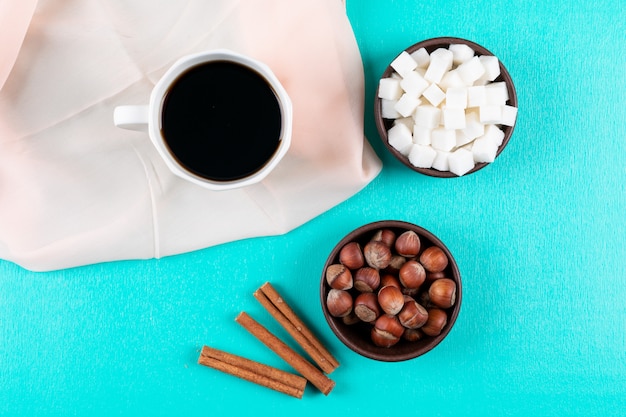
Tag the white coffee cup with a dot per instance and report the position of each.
(205, 134)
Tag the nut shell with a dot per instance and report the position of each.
(350, 319)
(442, 293)
(387, 236)
(437, 320)
(390, 299)
(383, 339)
(351, 255)
(377, 254)
(408, 244)
(434, 259)
(412, 275)
(366, 279)
(412, 315)
(366, 307)
(339, 303)
(387, 331)
(431, 276)
(388, 279)
(395, 264)
(339, 277)
(413, 335)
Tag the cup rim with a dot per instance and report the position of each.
(187, 62)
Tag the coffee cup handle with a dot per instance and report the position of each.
(131, 117)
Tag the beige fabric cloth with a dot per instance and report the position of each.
(75, 190)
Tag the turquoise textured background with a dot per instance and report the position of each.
(539, 237)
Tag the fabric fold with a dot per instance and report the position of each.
(15, 17)
(75, 190)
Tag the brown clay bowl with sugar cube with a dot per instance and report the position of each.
(390, 291)
(445, 107)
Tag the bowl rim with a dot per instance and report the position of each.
(430, 45)
(376, 353)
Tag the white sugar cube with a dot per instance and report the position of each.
(443, 139)
(403, 63)
(494, 134)
(440, 63)
(414, 84)
(481, 81)
(476, 96)
(484, 150)
(473, 127)
(496, 94)
(491, 65)
(407, 121)
(453, 118)
(509, 115)
(468, 146)
(389, 88)
(451, 79)
(461, 161)
(421, 135)
(400, 138)
(422, 156)
(461, 53)
(441, 161)
(462, 139)
(456, 97)
(427, 116)
(407, 105)
(471, 70)
(388, 109)
(422, 57)
(490, 113)
(434, 94)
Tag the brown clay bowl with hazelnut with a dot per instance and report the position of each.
(384, 124)
(422, 269)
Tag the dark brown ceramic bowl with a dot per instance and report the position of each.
(357, 336)
(383, 125)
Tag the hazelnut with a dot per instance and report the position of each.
(395, 264)
(388, 279)
(350, 319)
(431, 276)
(387, 331)
(387, 236)
(412, 315)
(366, 279)
(412, 335)
(412, 274)
(434, 259)
(339, 277)
(377, 254)
(351, 256)
(437, 319)
(390, 299)
(339, 303)
(366, 307)
(408, 244)
(442, 292)
(410, 291)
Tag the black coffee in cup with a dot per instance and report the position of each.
(221, 121)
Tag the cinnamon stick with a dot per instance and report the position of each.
(271, 300)
(252, 371)
(304, 367)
